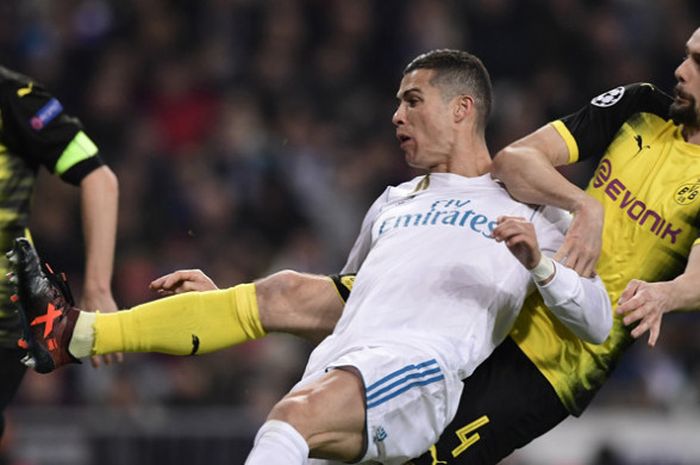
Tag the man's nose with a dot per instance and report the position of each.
(680, 71)
(398, 117)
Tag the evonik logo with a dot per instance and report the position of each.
(636, 209)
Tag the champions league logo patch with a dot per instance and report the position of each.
(45, 114)
(609, 98)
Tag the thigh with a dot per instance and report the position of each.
(506, 403)
(327, 409)
(11, 374)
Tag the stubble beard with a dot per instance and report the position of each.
(686, 112)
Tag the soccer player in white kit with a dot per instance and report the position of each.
(435, 290)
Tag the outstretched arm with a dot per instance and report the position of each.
(646, 303)
(527, 167)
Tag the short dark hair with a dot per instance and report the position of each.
(456, 73)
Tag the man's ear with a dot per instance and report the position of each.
(464, 107)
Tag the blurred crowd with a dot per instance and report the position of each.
(250, 136)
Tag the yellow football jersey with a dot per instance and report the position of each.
(648, 181)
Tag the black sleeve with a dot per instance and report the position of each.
(594, 126)
(36, 128)
(77, 172)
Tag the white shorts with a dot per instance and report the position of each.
(409, 397)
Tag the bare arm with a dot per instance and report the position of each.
(302, 304)
(99, 192)
(646, 303)
(527, 169)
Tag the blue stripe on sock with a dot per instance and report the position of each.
(404, 389)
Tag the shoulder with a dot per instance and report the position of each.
(593, 127)
(638, 97)
(405, 189)
(11, 81)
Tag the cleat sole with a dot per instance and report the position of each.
(28, 361)
(37, 357)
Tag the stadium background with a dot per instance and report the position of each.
(250, 136)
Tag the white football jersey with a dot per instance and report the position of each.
(431, 277)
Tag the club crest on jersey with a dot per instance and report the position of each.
(687, 192)
(609, 98)
(48, 112)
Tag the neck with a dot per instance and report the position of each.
(691, 135)
(470, 159)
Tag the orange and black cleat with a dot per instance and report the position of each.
(46, 308)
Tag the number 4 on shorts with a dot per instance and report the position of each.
(463, 435)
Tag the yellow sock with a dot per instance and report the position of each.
(184, 324)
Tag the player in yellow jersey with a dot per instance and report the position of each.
(647, 181)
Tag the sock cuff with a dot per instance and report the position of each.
(245, 301)
(278, 431)
(83, 338)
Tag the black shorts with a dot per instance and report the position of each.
(506, 403)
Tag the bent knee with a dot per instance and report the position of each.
(275, 295)
(329, 414)
(283, 282)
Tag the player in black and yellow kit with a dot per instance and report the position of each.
(648, 181)
(35, 131)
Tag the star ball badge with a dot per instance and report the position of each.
(609, 98)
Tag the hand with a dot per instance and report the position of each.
(181, 281)
(519, 236)
(104, 302)
(581, 247)
(645, 303)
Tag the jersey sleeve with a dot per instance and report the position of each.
(590, 130)
(581, 304)
(363, 243)
(551, 224)
(36, 128)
